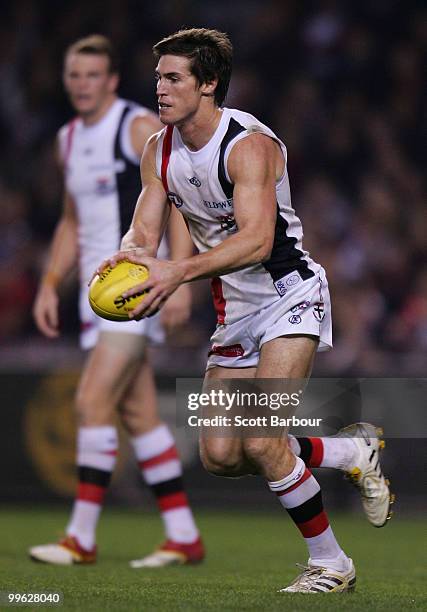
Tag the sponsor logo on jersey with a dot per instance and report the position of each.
(301, 306)
(294, 319)
(287, 282)
(224, 204)
(195, 181)
(228, 223)
(319, 311)
(175, 199)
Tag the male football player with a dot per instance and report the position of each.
(100, 153)
(226, 173)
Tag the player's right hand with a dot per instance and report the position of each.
(45, 311)
(125, 255)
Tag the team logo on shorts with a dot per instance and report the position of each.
(195, 181)
(319, 311)
(302, 306)
(294, 319)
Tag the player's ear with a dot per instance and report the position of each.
(113, 82)
(208, 89)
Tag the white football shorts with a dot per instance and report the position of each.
(304, 309)
(92, 325)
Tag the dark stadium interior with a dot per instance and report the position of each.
(342, 83)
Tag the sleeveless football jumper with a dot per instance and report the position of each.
(102, 176)
(198, 184)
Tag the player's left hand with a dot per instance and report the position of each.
(163, 280)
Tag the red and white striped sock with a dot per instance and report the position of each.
(324, 452)
(161, 468)
(96, 457)
(300, 494)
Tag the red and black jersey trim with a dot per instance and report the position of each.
(128, 178)
(218, 299)
(69, 140)
(285, 257)
(234, 129)
(166, 154)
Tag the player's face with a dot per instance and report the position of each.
(178, 91)
(88, 82)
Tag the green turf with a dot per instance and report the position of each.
(250, 556)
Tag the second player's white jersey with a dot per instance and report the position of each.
(102, 176)
(198, 184)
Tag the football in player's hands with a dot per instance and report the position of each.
(107, 288)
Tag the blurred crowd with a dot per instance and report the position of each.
(341, 82)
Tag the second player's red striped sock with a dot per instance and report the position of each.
(96, 457)
(161, 468)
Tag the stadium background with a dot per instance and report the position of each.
(342, 84)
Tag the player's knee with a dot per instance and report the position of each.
(91, 410)
(135, 420)
(220, 460)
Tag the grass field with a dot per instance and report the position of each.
(250, 556)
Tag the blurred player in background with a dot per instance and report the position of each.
(226, 172)
(100, 152)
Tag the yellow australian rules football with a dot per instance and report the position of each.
(107, 288)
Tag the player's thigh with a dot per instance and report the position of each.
(287, 357)
(109, 370)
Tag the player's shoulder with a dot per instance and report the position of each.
(248, 122)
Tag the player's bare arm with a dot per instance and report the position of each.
(254, 165)
(62, 258)
(177, 309)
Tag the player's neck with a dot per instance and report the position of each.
(96, 115)
(197, 131)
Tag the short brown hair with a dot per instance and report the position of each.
(96, 44)
(210, 52)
